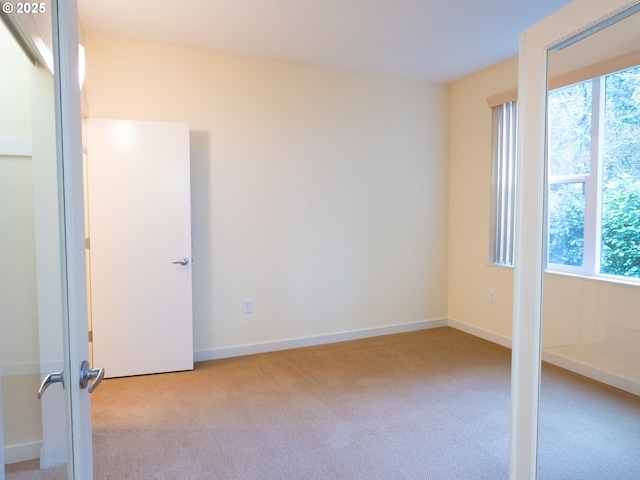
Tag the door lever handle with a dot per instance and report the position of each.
(87, 374)
(55, 377)
(183, 261)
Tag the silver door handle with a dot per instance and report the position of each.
(55, 377)
(87, 374)
(183, 261)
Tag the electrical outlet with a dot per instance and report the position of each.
(492, 296)
(247, 305)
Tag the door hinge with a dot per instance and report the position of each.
(87, 243)
(90, 336)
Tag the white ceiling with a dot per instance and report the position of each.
(436, 40)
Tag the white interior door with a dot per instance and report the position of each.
(140, 231)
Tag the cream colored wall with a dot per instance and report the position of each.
(320, 194)
(14, 94)
(471, 277)
(19, 348)
(18, 275)
(19, 351)
(577, 312)
(593, 321)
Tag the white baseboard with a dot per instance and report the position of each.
(227, 352)
(22, 453)
(481, 333)
(601, 375)
(590, 371)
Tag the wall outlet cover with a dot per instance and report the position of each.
(247, 305)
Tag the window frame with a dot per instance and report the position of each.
(592, 187)
(591, 261)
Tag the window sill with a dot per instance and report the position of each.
(597, 278)
(498, 265)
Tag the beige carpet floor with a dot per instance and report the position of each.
(432, 404)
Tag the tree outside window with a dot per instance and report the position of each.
(594, 176)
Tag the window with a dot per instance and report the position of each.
(594, 176)
(593, 181)
(503, 183)
(570, 114)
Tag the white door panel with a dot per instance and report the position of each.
(140, 223)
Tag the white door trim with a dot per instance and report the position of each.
(49, 291)
(69, 151)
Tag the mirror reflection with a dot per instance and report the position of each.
(589, 406)
(32, 431)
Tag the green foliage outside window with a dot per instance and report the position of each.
(566, 224)
(621, 227)
(621, 175)
(569, 141)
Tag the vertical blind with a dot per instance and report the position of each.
(503, 183)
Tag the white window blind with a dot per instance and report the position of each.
(503, 183)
